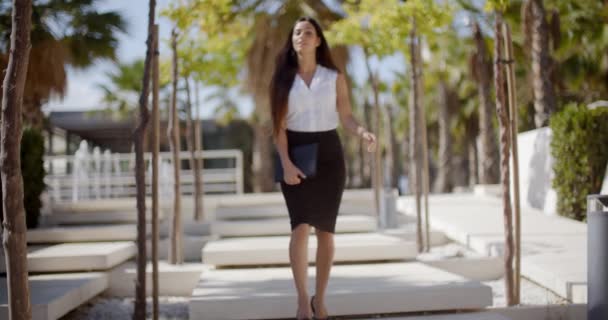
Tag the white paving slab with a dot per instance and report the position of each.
(77, 256)
(452, 316)
(279, 210)
(540, 312)
(408, 232)
(268, 293)
(192, 246)
(96, 205)
(281, 226)
(99, 217)
(479, 269)
(274, 250)
(553, 248)
(173, 280)
(54, 295)
(82, 233)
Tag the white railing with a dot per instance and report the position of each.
(113, 175)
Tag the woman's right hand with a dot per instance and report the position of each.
(291, 174)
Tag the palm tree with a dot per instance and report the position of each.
(125, 84)
(14, 237)
(536, 31)
(64, 33)
(270, 32)
(481, 67)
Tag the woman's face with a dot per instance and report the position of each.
(304, 38)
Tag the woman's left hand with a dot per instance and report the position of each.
(370, 138)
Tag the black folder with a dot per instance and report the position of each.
(304, 157)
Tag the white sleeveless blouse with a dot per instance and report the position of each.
(313, 108)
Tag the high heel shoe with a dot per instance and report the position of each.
(312, 306)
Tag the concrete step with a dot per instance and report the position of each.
(408, 232)
(54, 295)
(452, 316)
(279, 210)
(281, 226)
(69, 257)
(533, 312)
(357, 247)
(98, 217)
(192, 246)
(268, 293)
(173, 280)
(83, 233)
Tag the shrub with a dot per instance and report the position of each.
(580, 149)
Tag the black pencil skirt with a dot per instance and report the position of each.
(316, 201)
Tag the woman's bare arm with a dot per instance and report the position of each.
(346, 115)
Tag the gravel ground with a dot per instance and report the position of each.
(108, 308)
(176, 308)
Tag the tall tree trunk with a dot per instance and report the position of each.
(389, 165)
(155, 150)
(262, 157)
(444, 183)
(366, 173)
(175, 249)
(198, 165)
(488, 149)
(396, 155)
(415, 140)
(423, 134)
(140, 171)
(503, 119)
(377, 180)
(15, 230)
(544, 94)
(471, 143)
(194, 163)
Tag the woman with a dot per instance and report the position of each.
(309, 96)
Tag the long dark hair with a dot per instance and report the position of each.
(286, 69)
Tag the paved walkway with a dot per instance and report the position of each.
(554, 249)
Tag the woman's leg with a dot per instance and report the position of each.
(325, 257)
(298, 258)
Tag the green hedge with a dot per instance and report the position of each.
(32, 169)
(580, 148)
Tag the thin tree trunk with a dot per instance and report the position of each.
(389, 165)
(140, 172)
(15, 230)
(425, 145)
(190, 137)
(488, 149)
(503, 119)
(366, 156)
(514, 117)
(471, 132)
(198, 164)
(544, 93)
(377, 180)
(443, 183)
(415, 140)
(155, 150)
(395, 154)
(175, 249)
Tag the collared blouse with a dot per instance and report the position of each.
(313, 108)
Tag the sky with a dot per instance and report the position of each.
(83, 92)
